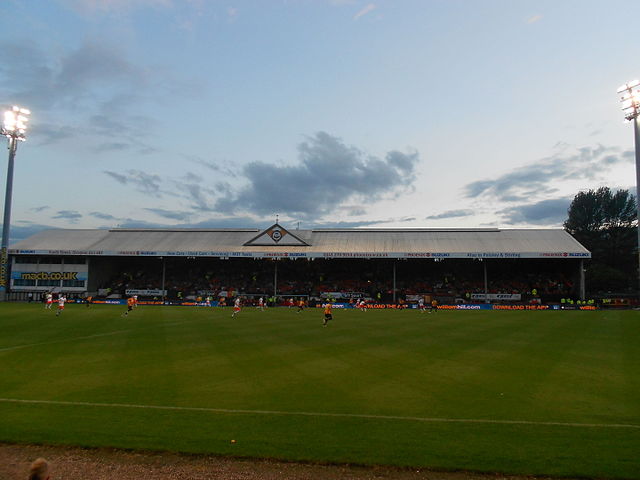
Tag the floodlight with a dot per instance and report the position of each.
(14, 128)
(626, 86)
(631, 110)
(630, 100)
(15, 123)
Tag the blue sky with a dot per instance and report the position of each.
(196, 113)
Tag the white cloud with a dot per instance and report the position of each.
(368, 9)
(534, 19)
(100, 6)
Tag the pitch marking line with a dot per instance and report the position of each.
(319, 414)
(17, 347)
(116, 332)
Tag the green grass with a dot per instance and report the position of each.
(547, 368)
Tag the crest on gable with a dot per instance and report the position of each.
(276, 235)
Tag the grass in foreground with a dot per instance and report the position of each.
(381, 387)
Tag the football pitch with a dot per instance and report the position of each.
(554, 392)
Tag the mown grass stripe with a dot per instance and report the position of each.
(320, 414)
(73, 339)
(84, 337)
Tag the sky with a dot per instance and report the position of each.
(326, 113)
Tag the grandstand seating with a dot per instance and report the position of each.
(449, 280)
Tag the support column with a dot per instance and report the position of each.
(582, 285)
(275, 278)
(164, 267)
(394, 281)
(486, 283)
(6, 224)
(636, 135)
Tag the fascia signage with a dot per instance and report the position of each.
(284, 254)
(48, 275)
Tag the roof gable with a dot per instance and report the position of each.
(276, 235)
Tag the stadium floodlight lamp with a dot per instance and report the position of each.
(14, 128)
(631, 108)
(15, 124)
(630, 99)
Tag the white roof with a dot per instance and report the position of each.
(324, 243)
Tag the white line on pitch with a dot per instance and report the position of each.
(319, 414)
(73, 339)
(16, 347)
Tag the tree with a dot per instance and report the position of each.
(605, 223)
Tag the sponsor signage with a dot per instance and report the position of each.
(357, 255)
(373, 306)
(49, 275)
(343, 295)
(4, 268)
(146, 293)
(494, 255)
(520, 307)
(307, 254)
(60, 252)
(496, 296)
(566, 254)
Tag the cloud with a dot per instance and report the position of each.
(117, 177)
(25, 61)
(39, 209)
(112, 147)
(197, 195)
(173, 215)
(534, 19)
(359, 224)
(220, 222)
(355, 211)
(451, 214)
(71, 215)
(367, 9)
(588, 163)
(207, 164)
(20, 232)
(94, 65)
(125, 146)
(102, 216)
(224, 188)
(545, 212)
(230, 222)
(76, 77)
(328, 174)
(96, 83)
(311, 225)
(113, 6)
(144, 182)
(200, 198)
(213, 166)
(45, 134)
(192, 177)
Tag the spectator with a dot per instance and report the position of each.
(39, 470)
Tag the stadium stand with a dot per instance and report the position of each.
(398, 265)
